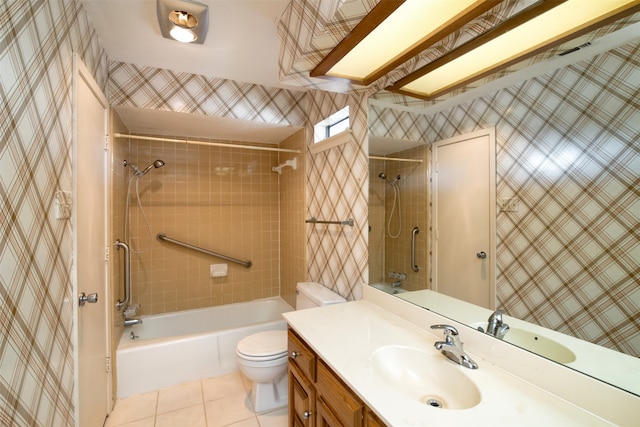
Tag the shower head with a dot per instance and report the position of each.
(157, 164)
(139, 173)
(393, 182)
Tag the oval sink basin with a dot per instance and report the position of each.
(536, 343)
(426, 377)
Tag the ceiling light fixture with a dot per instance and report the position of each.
(393, 32)
(183, 20)
(522, 36)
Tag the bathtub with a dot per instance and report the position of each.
(388, 288)
(174, 348)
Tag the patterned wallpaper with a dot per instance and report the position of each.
(567, 148)
(36, 352)
(337, 189)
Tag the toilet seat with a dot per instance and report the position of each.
(263, 346)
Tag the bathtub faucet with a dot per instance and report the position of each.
(131, 322)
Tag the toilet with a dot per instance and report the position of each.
(262, 357)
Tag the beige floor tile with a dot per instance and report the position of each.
(251, 422)
(186, 417)
(277, 418)
(133, 408)
(178, 397)
(223, 386)
(228, 410)
(147, 422)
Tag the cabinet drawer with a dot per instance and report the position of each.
(301, 356)
(338, 397)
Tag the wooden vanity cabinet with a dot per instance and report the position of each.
(317, 397)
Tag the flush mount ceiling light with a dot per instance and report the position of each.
(395, 31)
(526, 34)
(183, 20)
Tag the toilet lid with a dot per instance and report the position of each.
(264, 344)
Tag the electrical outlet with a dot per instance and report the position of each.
(63, 204)
(511, 204)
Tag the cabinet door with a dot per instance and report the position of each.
(339, 398)
(372, 420)
(326, 418)
(302, 399)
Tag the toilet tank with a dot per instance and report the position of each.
(313, 294)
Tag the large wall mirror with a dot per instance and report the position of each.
(567, 208)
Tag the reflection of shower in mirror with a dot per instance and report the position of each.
(396, 198)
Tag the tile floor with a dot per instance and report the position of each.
(214, 402)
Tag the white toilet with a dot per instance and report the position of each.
(262, 357)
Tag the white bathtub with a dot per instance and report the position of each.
(189, 345)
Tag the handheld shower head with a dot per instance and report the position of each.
(156, 164)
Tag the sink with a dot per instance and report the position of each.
(536, 343)
(427, 377)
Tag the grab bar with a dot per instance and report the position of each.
(127, 275)
(163, 237)
(415, 231)
(313, 220)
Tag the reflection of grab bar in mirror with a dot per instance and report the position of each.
(313, 220)
(415, 231)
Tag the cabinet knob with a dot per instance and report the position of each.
(306, 415)
(294, 354)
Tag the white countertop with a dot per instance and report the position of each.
(346, 335)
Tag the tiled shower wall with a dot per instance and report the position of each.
(293, 268)
(36, 350)
(218, 198)
(567, 148)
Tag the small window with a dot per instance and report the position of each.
(332, 125)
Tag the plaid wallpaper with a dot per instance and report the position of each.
(36, 352)
(567, 148)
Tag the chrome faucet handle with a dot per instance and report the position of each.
(448, 329)
(450, 334)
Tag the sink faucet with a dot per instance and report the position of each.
(452, 347)
(496, 326)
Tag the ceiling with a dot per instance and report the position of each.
(242, 44)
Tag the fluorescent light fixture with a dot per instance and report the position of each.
(526, 37)
(183, 20)
(393, 32)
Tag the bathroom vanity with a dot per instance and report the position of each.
(317, 396)
(372, 362)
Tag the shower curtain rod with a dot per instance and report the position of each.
(215, 144)
(395, 159)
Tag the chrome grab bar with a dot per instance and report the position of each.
(313, 220)
(127, 275)
(415, 231)
(163, 238)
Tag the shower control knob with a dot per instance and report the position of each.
(84, 298)
(481, 255)
(294, 354)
